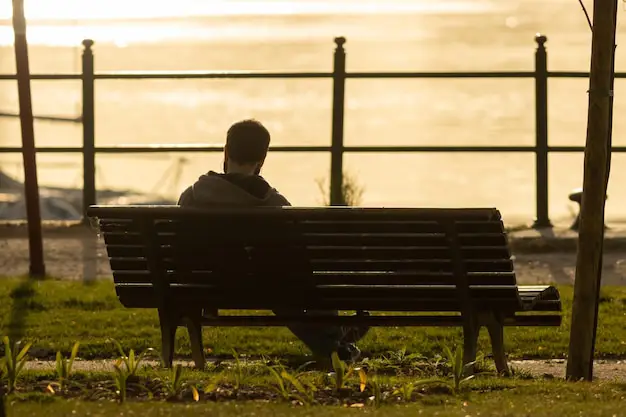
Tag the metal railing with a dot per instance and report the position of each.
(339, 75)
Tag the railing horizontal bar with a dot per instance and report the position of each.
(77, 119)
(356, 149)
(144, 75)
(134, 75)
(480, 74)
(61, 77)
(581, 149)
(160, 149)
(578, 74)
(439, 149)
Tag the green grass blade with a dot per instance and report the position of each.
(132, 364)
(59, 365)
(294, 382)
(339, 368)
(24, 351)
(119, 348)
(176, 381)
(73, 355)
(279, 381)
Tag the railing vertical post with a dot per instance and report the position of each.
(89, 154)
(339, 93)
(541, 129)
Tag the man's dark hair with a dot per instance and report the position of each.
(247, 142)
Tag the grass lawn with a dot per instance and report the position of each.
(529, 398)
(54, 314)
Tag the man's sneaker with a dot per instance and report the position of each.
(354, 334)
(348, 352)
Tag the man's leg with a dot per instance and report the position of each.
(321, 340)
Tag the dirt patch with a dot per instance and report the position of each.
(555, 368)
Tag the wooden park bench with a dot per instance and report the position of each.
(447, 267)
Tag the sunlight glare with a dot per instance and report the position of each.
(143, 9)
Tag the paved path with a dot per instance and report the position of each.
(553, 368)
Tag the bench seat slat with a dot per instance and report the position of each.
(367, 252)
(143, 297)
(310, 239)
(421, 265)
(371, 253)
(322, 226)
(387, 320)
(330, 252)
(325, 278)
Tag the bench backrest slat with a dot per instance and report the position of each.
(316, 257)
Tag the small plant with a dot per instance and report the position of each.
(213, 383)
(406, 391)
(402, 359)
(131, 361)
(342, 371)
(123, 375)
(458, 367)
(281, 386)
(240, 372)
(64, 366)
(377, 394)
(13, 362)
(175, 384)
(351, 191)
(283, 379)
(120, 379)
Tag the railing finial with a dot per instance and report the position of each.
(541, 39)
(88, 43)
(340, 41)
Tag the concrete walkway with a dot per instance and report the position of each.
(608, 370)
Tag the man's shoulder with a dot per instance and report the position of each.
(186, 197)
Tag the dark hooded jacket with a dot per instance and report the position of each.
(231, 190)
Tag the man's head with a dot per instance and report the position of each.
(246, 147)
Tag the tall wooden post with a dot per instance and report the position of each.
(541, 128)
(89, 129)
(591, 234)
(31, 191)
(336, 148)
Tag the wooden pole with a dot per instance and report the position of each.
(31, 188)
(591, 234)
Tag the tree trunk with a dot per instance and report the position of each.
(591, 234)
(31, 187)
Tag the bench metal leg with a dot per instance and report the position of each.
(194, 328)
(169, 324)
(496, 334)
(471, 329)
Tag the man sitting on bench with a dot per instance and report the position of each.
(247, 144)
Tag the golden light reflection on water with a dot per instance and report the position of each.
(66, 22)
(124, 9)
